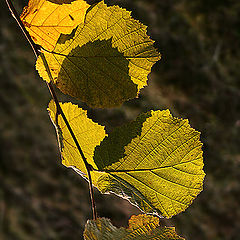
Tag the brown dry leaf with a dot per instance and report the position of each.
(45, 20)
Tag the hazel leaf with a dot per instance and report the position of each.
(141, 227)
(46, 20)
(155, 162)
(105, 60)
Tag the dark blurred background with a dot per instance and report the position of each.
(197, 78)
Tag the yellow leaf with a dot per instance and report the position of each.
(105, 61)
(156, 162)
(88, 133)
(46, 20)
(141, 227)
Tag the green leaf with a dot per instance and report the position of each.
(156, 162)
(106, 59)
(88, 134)
(140, 227)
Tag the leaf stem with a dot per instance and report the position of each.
(36, 51)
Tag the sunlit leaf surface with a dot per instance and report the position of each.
(88, 133)
(105, 60)
(140, 227)
(156, 162)
(46, 20)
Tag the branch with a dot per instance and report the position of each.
(36, 52)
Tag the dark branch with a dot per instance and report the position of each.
(36, 52)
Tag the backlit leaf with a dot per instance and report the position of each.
(105, 60)
(156, 162)
(88, 134)
(47, 19)
(141, 227)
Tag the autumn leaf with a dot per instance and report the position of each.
(45, 20)
(158, 168)
(105, 61)
(155, 162)
(141, 227)
(88, 133)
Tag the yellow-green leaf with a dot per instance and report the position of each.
(141, 227)
(105, 60)
(156, 162)
(88, 133)
(45, 20)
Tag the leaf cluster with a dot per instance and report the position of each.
(102, 56)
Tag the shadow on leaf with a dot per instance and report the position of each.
(97, 74)
(116, 141)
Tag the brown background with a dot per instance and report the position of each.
(197, 78)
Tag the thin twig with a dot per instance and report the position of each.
(36, 51)
(60, 111)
